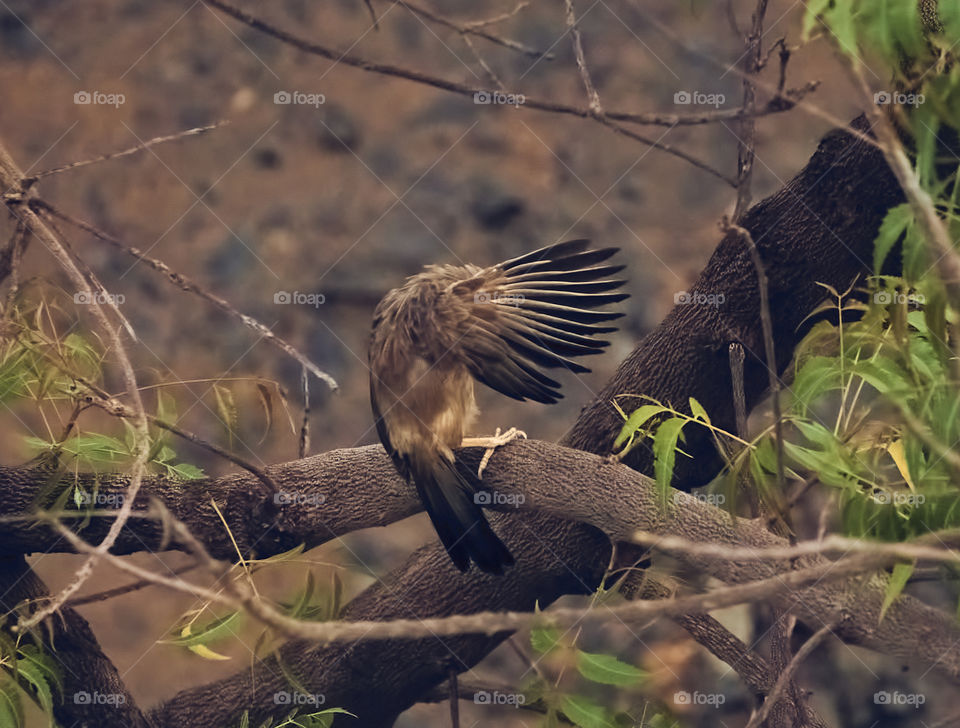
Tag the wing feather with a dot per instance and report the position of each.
(535, 312)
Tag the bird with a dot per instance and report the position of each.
(451, 325)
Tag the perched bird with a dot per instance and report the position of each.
(502, 325)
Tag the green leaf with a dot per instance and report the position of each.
(40, 672)
(585, 713)
(698, 411)
(637, 419)
(207, 633)
(545, 639)
(891, 229)
(11, 708)
(607, 669)
(898, 580)
(186, 471)
(665, 452)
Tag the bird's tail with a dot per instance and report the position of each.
(448, 491)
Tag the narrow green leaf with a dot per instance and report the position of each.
(898, 580)
(891, 229)
(544, 639)
(637, 419)
(11, 707)
(585, 713)
(607, 669)
(210, 632)
(665, 452)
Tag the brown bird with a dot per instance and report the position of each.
(500, 325)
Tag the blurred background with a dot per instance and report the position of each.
(344, 198)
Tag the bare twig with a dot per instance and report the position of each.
(121, 590)
(304, 445)
(593, 98)
(768, 347)
(16, 197)
(786, 677)
(349, 59)
(752, 61)
(476, 28)
(127, 152)
(191, 286)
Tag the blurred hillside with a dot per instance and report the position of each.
(347, 197)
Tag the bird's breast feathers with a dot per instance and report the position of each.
(427, 403)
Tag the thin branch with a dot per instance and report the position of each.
(922, 548)
(304, 440)
(126, 152)
(476, 28)
(766, 321)
(191, 286)
(348, 59)
(121, 590)
(16, 198)
(593, 98)
(786, 677)
(752, 61)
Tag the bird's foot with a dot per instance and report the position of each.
(491, 444)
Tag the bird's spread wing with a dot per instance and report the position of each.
(533, 313)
